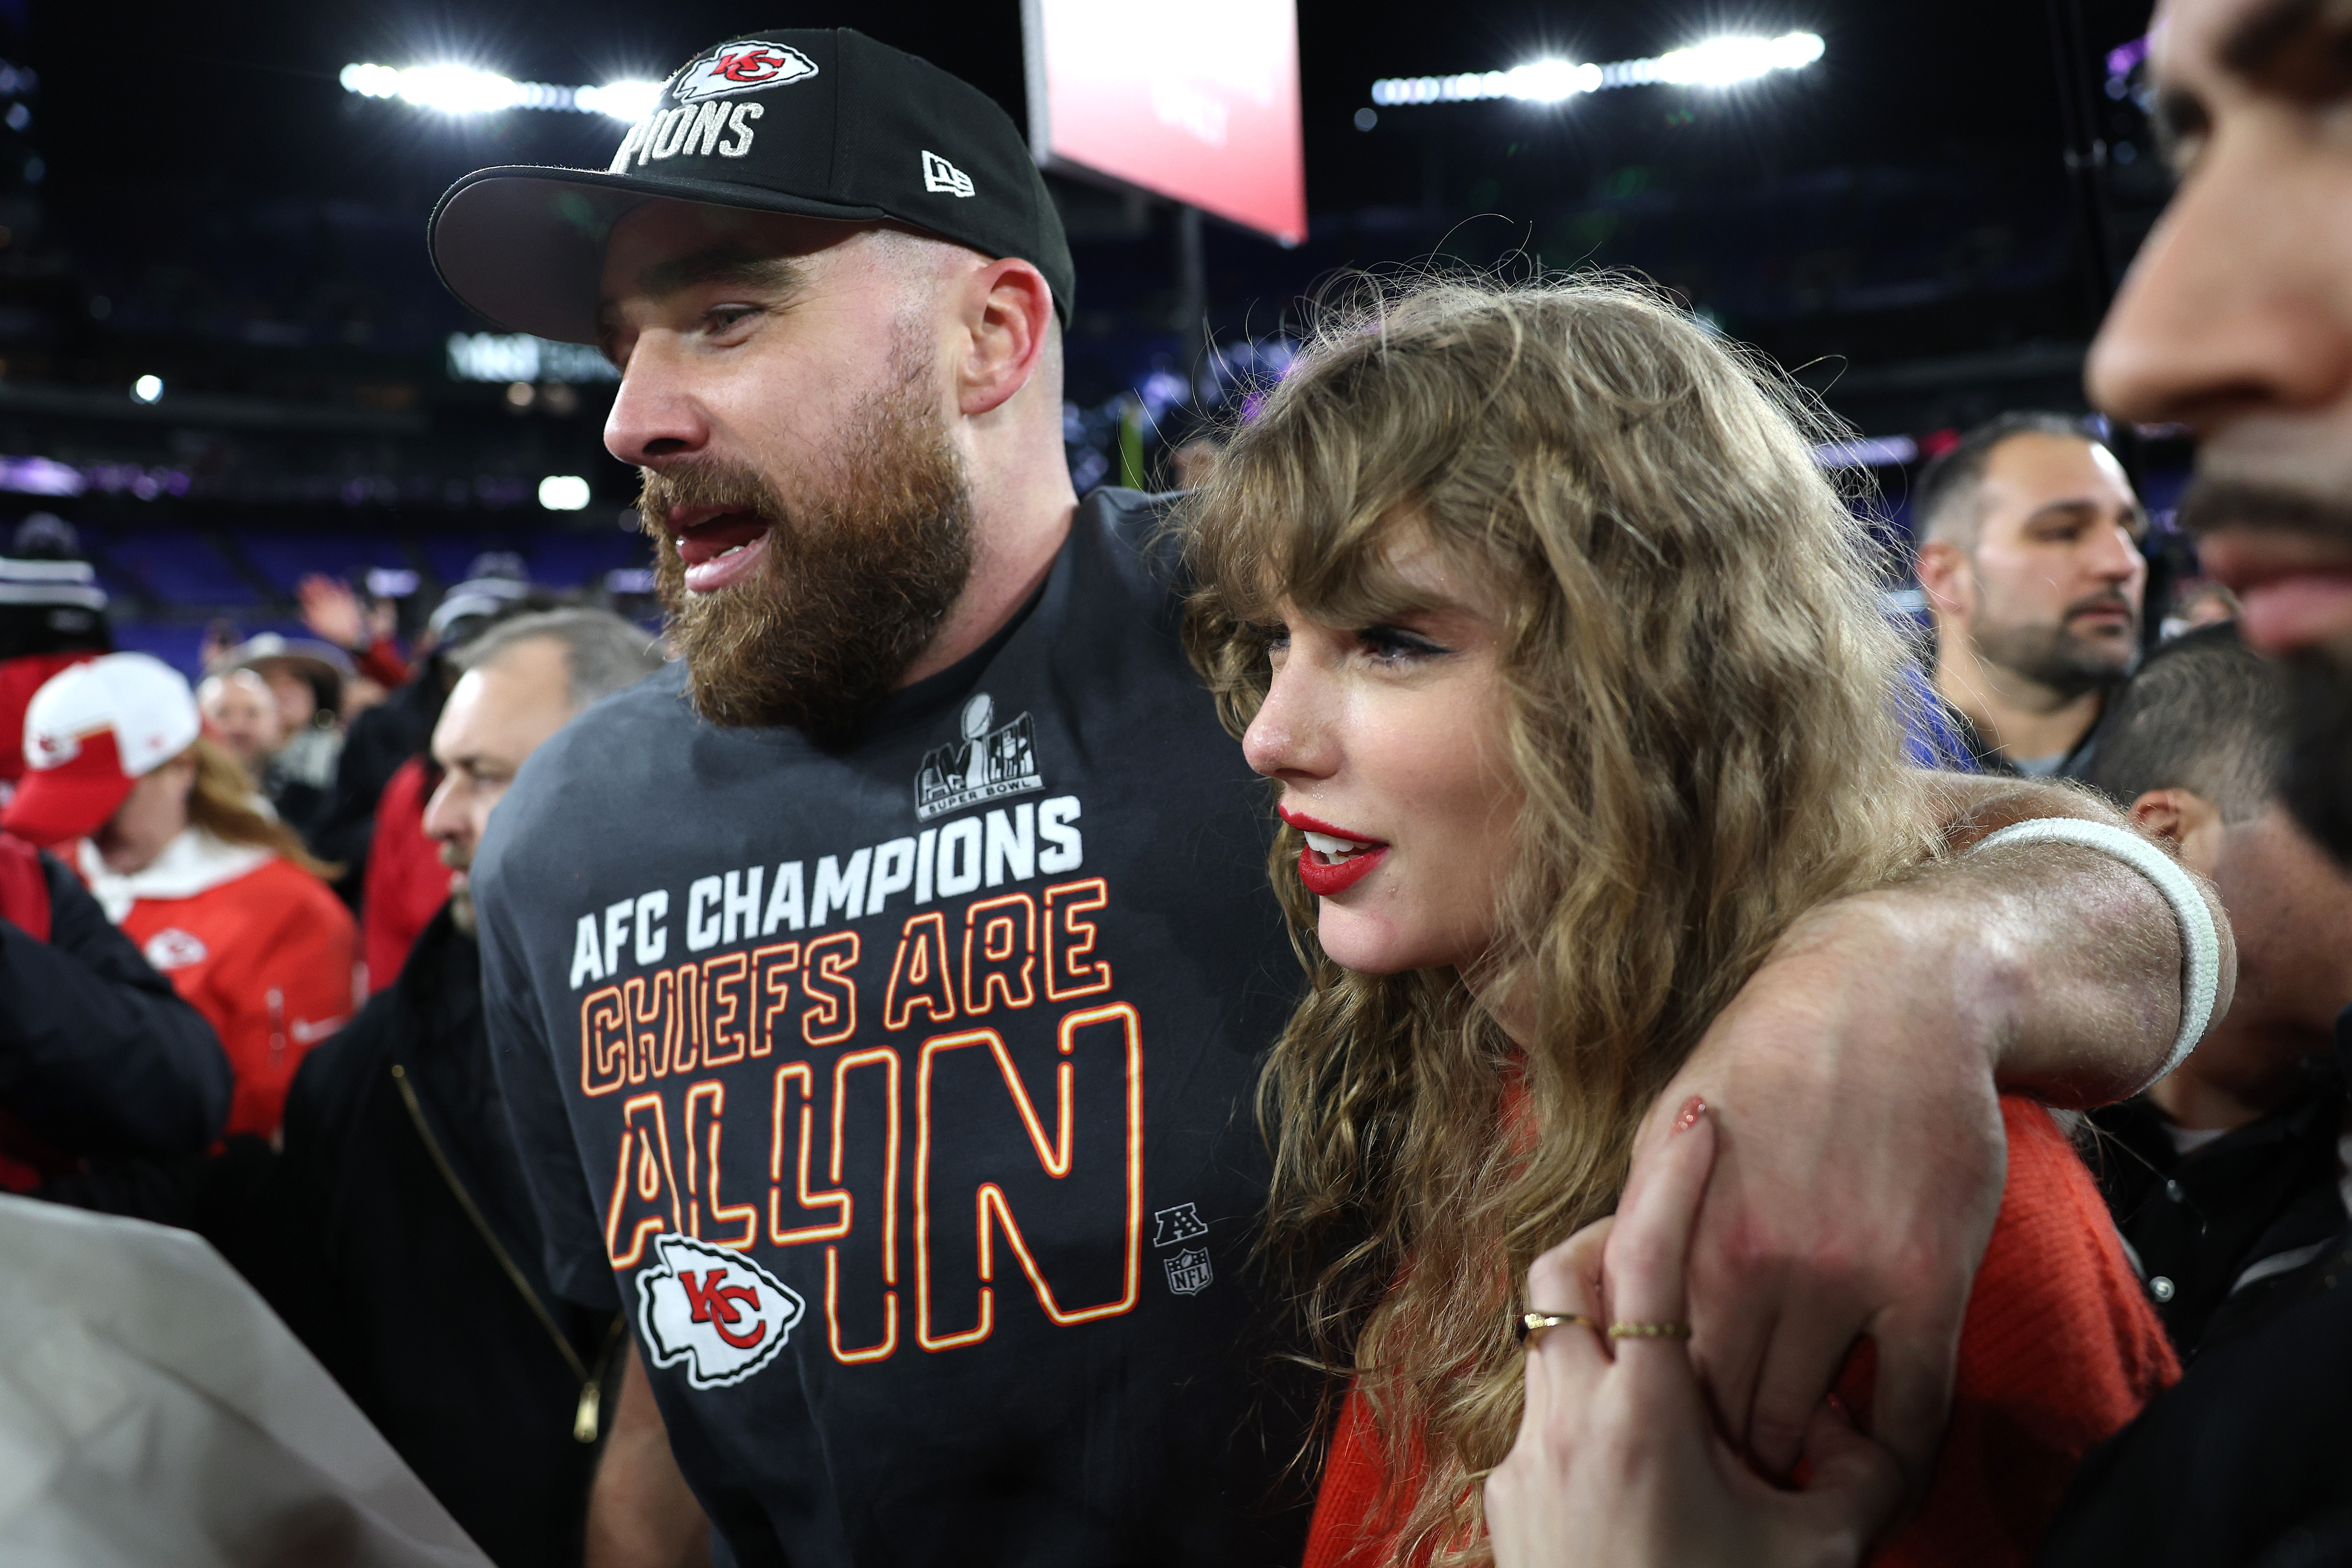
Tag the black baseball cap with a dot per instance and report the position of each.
(819, 123)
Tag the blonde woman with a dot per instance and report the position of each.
(1567, 661)
(218, 894)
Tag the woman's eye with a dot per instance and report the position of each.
(1396, 645)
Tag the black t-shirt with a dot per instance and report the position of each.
(911, 1090)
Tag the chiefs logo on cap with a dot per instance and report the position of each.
(750, 65)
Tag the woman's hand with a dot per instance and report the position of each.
(1617, 1462)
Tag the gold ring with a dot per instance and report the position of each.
(1649, 1331)
(1532, 1325)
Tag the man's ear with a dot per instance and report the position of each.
(2184, 819)
(1008, 318)
(1945, 577)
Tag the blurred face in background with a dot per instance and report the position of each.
(297, 700)
(2236, 322)
(153, 813)
(496, 715)
(2051, 591)
(242, 713)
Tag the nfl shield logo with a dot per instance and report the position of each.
(1189, 1272)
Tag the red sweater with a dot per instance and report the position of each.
(263, 949)
(2058, 1351)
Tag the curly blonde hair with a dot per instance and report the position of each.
(1702, 704)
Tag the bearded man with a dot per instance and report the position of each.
(878, 997)
(2030, 558)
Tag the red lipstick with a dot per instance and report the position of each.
(1325, 878)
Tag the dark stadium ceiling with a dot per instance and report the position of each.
(242, 95)
(196, 199)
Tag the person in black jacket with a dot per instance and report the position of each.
(398, 1237)
(99, 1056)
(2222, 1175)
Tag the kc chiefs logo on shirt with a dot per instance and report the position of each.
(714, 1309)
(749, 65)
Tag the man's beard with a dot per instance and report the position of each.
(856, 576)
(2316, 778)
(2057, 656)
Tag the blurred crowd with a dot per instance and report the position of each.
(240, 997)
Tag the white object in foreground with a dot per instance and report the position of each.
(153, 1410)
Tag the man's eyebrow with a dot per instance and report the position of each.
(778, 275)
(2302, 48)
(722, 264)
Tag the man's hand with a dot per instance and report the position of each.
(1855, 1076)
(332, 611)
(1617, 1462)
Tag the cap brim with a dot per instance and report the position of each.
(524, 247)
(53, 806)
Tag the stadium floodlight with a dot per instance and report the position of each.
(564, 492)
(1713, 62)
(462, 90)
(629, 100)
(148, 388)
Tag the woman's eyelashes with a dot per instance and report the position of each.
(1395, 645)
(1383, 644)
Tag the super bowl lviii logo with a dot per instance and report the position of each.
(987, 761)
(713, 1309)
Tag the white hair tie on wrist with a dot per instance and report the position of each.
(2201, 943)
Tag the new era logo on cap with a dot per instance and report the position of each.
(940, 175)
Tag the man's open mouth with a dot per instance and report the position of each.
(718, 547)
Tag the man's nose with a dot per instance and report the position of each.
(655, 415)
(443, 820)
(2116, 557)
(2226, 309)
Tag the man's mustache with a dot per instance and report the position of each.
(2213, 504)
(2099, 601)
(714, 484)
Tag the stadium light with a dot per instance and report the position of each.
(1713, 62)
(148, 388)
(462, 90)
(564, 492)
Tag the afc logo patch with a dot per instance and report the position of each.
(714, 1309)
(1189, 1273)
(1180, 1224)
(749, 66)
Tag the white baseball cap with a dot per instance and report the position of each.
(90, 732)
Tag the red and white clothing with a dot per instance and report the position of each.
(2059, 1350)
(263, 949)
